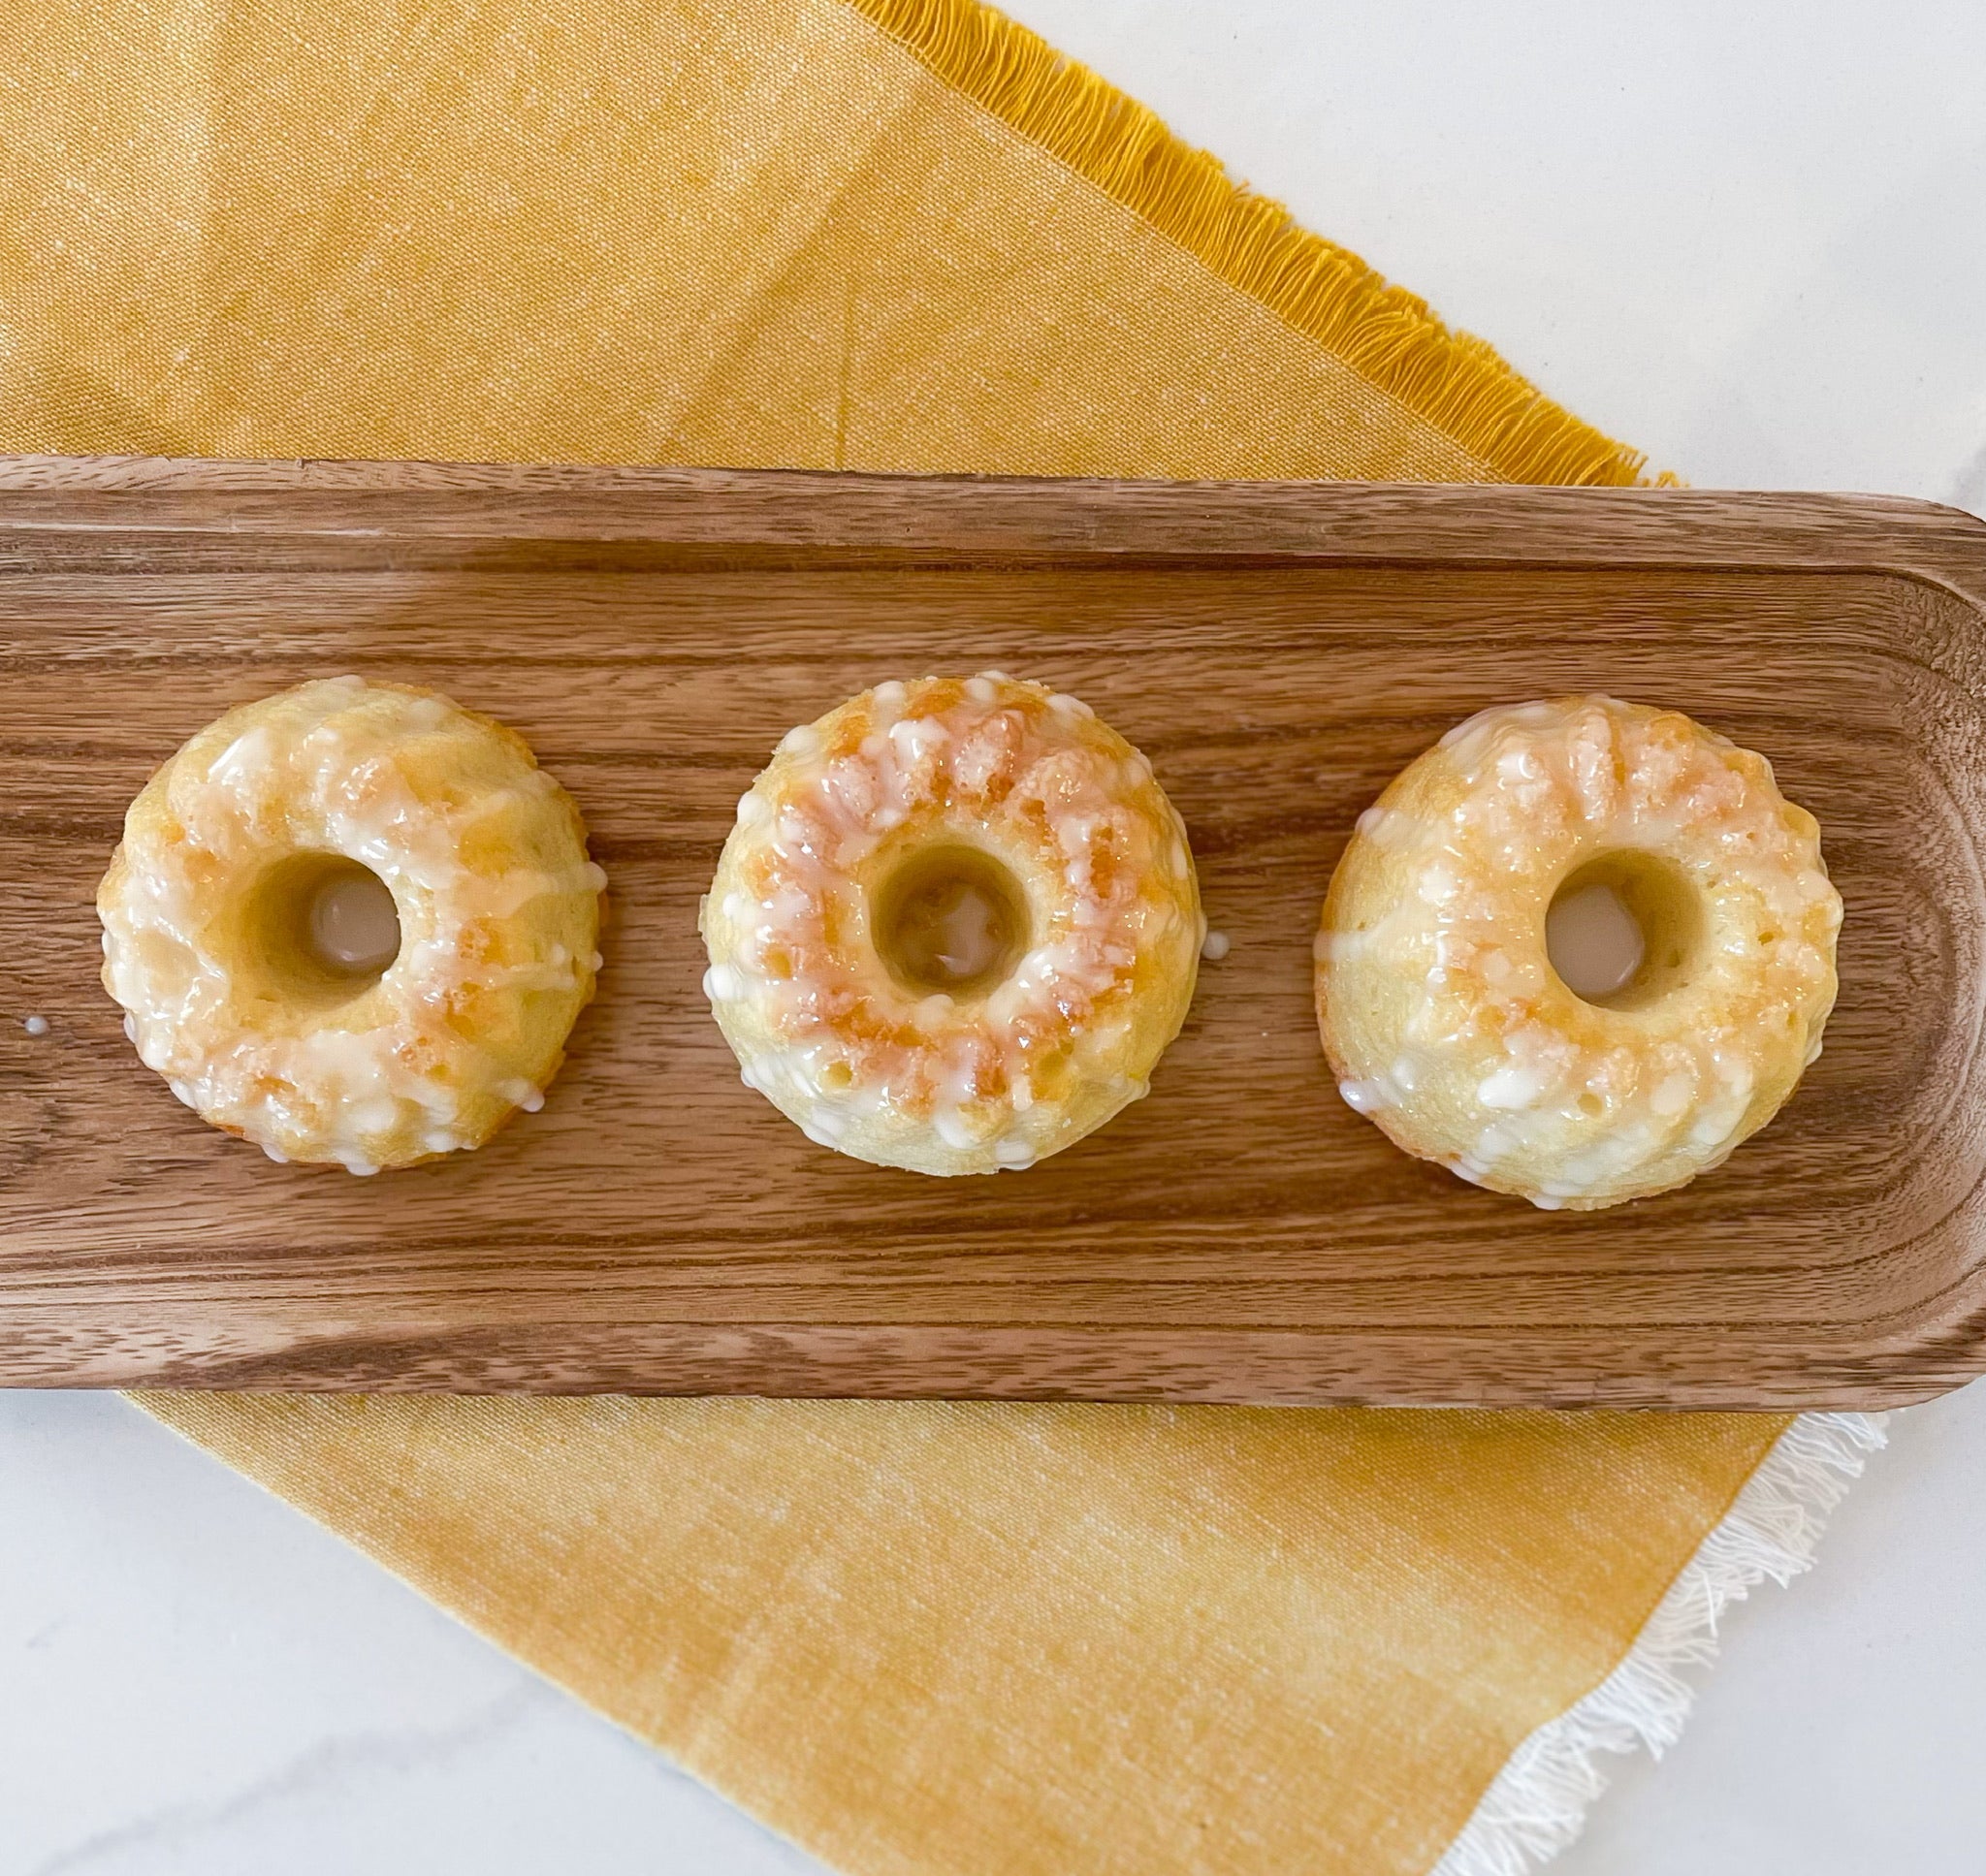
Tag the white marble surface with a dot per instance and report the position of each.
(1746, 236)
(1750, 238)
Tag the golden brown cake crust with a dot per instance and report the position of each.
(497, 904)
(1032, 781)
(1440, 1011)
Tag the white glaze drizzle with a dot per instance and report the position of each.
(1600, 1095)
(1029, 777)
(399, 1069)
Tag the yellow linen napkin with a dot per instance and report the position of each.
(914, 1637)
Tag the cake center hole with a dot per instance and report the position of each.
(354, 924)
(1594, 942)
(950, 919)
(1623, 929)
(320, 928)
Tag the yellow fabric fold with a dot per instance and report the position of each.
(931, 1639)
(886, 236)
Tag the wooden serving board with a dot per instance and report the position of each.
(1279, 650)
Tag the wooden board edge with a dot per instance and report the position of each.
(1328, 523)
(811, 1361)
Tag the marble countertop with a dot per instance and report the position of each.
(1749, 238)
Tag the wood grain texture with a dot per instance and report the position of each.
(1279, 650)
